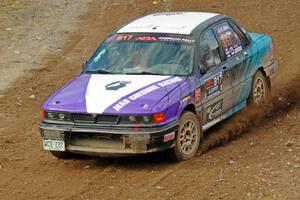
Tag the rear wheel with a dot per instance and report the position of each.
(61, 154)
(260, 88)
(187, 138)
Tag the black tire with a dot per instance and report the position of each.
(260, 89)
(187, 142)
(61, 154)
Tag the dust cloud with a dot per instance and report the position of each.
(281, 100)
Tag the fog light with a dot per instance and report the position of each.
(61, 116)
(132, 118)
(146, 119)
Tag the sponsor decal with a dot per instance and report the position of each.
(136, 128)
(209, 84)
(185, 99)
(145, 106)
(214, 110)
(198, 95)
(214, 85)
(119, 105)
(169, 81)
(150, 38)
(229, 39)
(146, 38)
(124, 37)
(169, 137)
(177, 39)
(143, 92)
(116, 85)
(168, 14)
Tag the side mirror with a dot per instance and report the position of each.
(201, 70)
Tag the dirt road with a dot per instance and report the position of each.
(253, 155)
(31, 30)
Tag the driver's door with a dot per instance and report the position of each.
(215, 79)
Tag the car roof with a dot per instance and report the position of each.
(168, 22)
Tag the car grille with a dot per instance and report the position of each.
(107, 119)
(83, 118)
(95, 119)
(97, 140)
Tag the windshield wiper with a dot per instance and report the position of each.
(142, 73)
(100, 71)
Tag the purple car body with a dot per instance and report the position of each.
(202, 63)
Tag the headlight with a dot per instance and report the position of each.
(57, 116)
(62, 116)
(143, 119)
(147, 119)
(136, 119)
(51, 116)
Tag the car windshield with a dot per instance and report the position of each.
(144, 54)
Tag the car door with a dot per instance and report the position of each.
(241, 80)
(215, 79)
(237, 55)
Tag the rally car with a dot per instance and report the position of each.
(157, 83)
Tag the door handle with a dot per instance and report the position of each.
(226, 69)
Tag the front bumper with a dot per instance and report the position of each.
(95, 140)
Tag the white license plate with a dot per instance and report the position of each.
(54, 145)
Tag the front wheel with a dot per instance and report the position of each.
(260, 88)
(188, 137)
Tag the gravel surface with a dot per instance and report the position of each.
(253, 155)
(30, 30)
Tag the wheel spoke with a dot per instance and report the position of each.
(194, 137)
(190, 126)
(183, 146)
(259, 90)
(187, 148)
(181, 139)
(188, 137)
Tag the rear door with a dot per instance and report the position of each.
(215, 79)
(237, 56)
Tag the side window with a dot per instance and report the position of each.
(241, 33)
(229, 39)
(209, 50)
